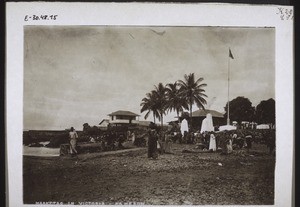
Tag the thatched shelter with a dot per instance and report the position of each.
(199, 115)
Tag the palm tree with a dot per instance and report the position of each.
(149, 104)
(161, 100)
(193, 92)
(175, 101)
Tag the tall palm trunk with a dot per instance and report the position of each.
(178, 116)
(161, 114)
(153, 117)
(190, 128)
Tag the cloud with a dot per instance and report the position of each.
(75, 74)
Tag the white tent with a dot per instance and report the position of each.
(207, 124)
(263, 126)
(184, 126)
(227, 127)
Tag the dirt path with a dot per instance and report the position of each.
(129, 176)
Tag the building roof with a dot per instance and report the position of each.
(106, 121)
(175, 121)
(123, 113)
(203, 113)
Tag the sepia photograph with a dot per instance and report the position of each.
(149, 115)
(129, 111)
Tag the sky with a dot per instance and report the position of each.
(79, 74)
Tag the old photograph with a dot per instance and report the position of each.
(149, 104)
(149, 115)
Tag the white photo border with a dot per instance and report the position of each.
(151, 14)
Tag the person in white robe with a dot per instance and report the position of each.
(184, 126)
(212, 143)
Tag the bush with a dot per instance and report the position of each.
(56, 141)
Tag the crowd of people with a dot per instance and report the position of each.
(109, 140)
(160, 141)
(222, 141)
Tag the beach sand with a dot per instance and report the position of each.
(174, 179)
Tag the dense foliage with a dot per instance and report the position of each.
(174, 96)
(240, 109)
(265, 112)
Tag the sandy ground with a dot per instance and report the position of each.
(40, 151)
(128, 176)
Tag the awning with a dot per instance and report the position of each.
(227, 127)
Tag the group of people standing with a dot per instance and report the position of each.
(225, 141)
(158, 142)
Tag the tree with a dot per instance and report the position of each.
(149, 104)
(86, 128)
(265, 112)
(94, 131)
(174, 100)
(192, 91)
(160, 100)
(240, 109)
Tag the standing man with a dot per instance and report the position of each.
(168, 142)
(73, 141)
(128, 135)
(249, 141)
(132, 137)
(152, 144)
(271, 141)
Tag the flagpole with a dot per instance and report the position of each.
(228, 120)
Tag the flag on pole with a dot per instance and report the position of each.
(230, 54)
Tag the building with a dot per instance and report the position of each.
(199, 115)
(144, 124)
(103, 124)
(123, 118)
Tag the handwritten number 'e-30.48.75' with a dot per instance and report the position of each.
(40, 17)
